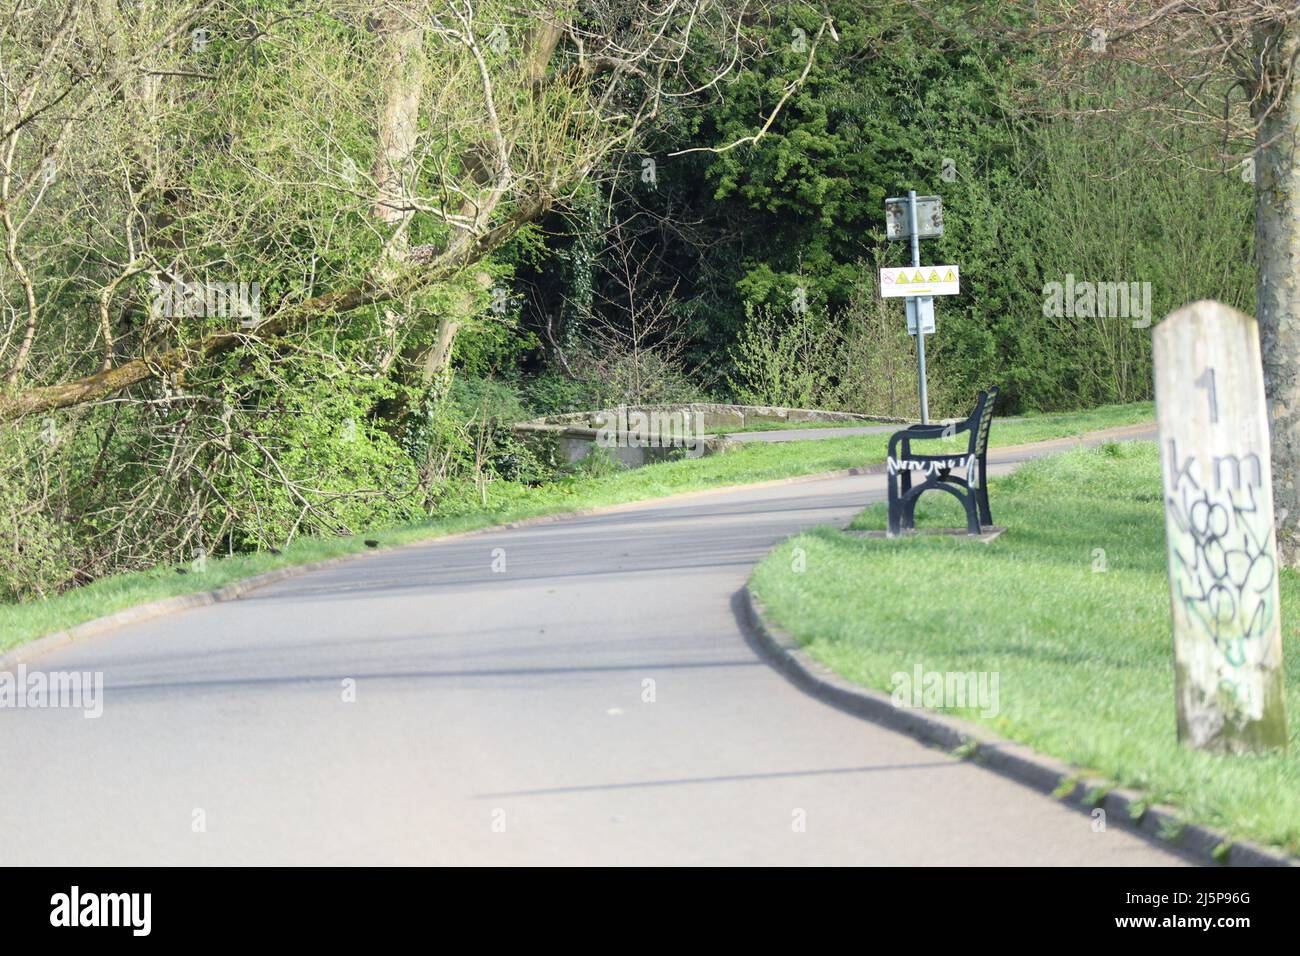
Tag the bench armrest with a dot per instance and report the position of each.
(937, 431)
(924, 432)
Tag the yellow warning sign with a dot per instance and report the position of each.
(911, 281)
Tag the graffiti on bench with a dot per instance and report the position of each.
(935, 466)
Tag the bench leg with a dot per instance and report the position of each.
(972, 512)
(895, 512)
(909, 511)
(986, 517)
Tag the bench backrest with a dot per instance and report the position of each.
(980, 420)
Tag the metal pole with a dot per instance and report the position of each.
(920, 336)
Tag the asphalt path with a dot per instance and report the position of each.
(578, 692)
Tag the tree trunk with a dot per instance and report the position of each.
(1277, 254)
(398, 123)
(399, 115)
(438, 357)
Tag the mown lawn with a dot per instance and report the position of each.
(506, 502)
(1070, 607)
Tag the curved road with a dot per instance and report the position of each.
(503, 717)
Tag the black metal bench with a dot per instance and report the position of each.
(962, 474)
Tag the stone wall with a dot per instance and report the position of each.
(576, 433)
(719, 417)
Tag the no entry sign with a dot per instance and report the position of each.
(919, 280)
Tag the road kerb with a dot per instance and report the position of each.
(1046, 774)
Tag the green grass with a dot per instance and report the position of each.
(1083, 656)
(506, 502)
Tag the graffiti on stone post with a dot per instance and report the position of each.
(1222, 569)
(1219, 525)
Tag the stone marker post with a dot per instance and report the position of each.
(1214, 449)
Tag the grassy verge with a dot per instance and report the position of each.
(505, 502)
(1070, 607)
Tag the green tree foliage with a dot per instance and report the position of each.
(1031, 196)
(699, 210)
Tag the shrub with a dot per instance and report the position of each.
(858, 358)
(34, 556)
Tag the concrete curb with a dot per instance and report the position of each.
(237, 589)
(1022, 764)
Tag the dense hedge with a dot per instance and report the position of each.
(1032, 194)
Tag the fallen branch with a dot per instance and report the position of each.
(463, 252)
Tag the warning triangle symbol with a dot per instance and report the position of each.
(950, 277)
(934, 275)
(902, 277)
(918, 277)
